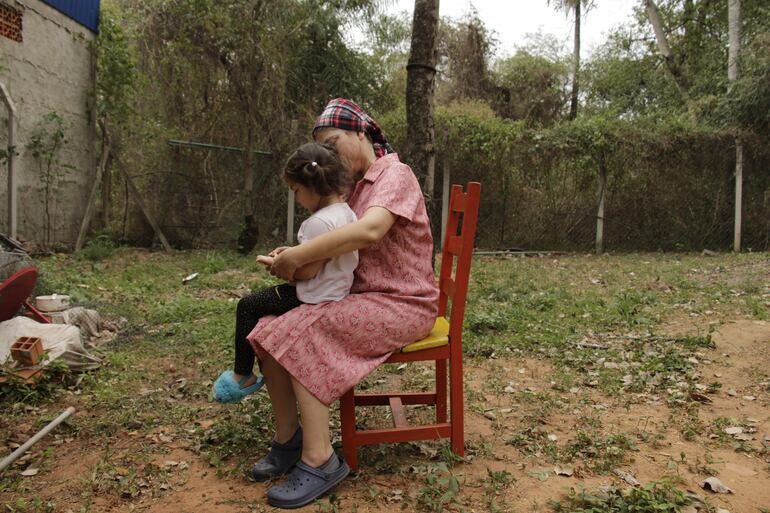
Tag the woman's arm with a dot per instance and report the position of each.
(371, 228)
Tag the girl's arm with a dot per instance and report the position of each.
(371, 228)
(308, 271)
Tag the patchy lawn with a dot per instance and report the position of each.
(583, 374)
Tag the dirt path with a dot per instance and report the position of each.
(516, 421)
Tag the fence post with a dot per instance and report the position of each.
(600, 213)
(444, 201)
(738, 195)
(12, 193)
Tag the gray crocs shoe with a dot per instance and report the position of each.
(305, 484)
(280, 459)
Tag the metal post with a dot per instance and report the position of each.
(290, 219)
(12, 193)
(29, 443)
(444, 202)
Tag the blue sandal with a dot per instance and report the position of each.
(226, 390)
(305, 484)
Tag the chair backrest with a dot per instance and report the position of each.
(458, 244)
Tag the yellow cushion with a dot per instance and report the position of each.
(438, 336)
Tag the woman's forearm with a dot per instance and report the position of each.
(366, 231)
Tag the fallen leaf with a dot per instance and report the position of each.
(734, 430)
(564, 470)
(713, 484)
(30, 472)
(490, 415)
(171, 463)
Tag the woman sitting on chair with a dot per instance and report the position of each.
(313, 354)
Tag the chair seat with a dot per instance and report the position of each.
(438, 336)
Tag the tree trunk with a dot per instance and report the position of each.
(665, 50)
(573, 106)
(733, 55)
(420, 83)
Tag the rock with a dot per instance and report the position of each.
(625, 476)
(564, 470)
(713, 484)
(734, 430)
(490, 415)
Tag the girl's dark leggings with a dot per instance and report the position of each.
(270, 301)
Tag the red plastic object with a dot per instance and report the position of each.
(14, 293)
(454, 290)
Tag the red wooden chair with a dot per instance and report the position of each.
(444, 344)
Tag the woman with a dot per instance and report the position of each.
(313, 354)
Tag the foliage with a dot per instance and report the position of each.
(465, 50)
(116, 74)
(541, 183)
(46, 142)
(531, 87)
(654, 497)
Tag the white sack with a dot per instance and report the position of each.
(61, 341)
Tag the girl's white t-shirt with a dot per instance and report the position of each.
(335, 278)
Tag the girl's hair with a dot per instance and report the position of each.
(319, 168)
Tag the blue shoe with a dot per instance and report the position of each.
(226, 390)
(305, 484)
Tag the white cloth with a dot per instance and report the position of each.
(335, 278)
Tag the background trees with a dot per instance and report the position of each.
(251, 75)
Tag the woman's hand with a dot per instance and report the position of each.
(277, 251)
(285, 264)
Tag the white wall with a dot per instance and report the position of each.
(51, 70)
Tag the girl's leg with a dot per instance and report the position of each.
(282, 398)
(269, 301)
(316, 439)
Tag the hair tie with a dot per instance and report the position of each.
(314, 164)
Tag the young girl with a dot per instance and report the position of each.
(319, 180)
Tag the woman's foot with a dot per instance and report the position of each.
(231, 388)
(281, 458)
(306, 483)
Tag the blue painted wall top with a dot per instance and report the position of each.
(85, 12)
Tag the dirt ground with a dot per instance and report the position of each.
(740, 361)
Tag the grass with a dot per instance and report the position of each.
(597, 321)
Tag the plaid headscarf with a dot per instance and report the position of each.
(347, 115)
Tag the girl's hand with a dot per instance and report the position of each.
(267, 261)
(277, 251)
(284, 264)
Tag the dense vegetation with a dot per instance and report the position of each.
(252, 76)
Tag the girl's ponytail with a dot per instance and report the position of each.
(319, 168)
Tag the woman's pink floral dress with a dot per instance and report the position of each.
(330, 347)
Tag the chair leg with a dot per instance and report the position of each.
(457, 410)
(348, 421)
(36, 313)
(441, 391)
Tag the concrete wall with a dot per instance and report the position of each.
(51, 70)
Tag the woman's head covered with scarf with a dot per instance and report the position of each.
(347, 115)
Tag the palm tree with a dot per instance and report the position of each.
(573, 6)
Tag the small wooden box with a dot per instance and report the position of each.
(27, 350)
